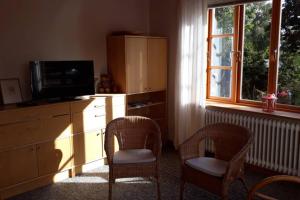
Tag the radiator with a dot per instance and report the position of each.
(276, 142)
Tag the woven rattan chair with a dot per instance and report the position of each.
(139, 140)
(231, 144)
(267, 181)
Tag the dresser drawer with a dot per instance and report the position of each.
(87, 105)
(54, 110)
(33, 113)
(88, 121)
(24, 133)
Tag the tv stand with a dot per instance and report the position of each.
(46, 142)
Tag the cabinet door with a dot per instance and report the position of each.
(136, 64)
(54, 156)
(17, 166)
(87, 147)
(157, 64)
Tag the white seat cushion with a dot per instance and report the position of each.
(212, 166)
(133, 156)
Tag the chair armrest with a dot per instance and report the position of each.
(190, 148)
(109, 148)
(268, 181)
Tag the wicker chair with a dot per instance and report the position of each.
(231, 144)
(278, 178)
(139, 140)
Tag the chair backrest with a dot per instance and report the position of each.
(228, 139)
(133, 132)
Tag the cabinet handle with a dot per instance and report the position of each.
(60, 115)
(98, 115)
(97, 106)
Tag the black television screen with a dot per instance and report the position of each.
(61, 79)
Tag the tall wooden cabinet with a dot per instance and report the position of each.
(138, 65)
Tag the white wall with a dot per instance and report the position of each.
(62, 30)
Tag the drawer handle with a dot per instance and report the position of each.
(98, 115)
(97, 106)
(61, 115)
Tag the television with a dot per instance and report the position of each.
(61, 79)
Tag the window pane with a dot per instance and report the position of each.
(220, 83)
(221, 51)
(222, 20)
(289, 61)
(256, 50)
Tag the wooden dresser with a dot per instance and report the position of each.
(46, 143)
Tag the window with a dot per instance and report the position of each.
(221, 64)
(288, 86)
(254, 49)
(256, 43)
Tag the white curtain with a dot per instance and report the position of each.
(190, 88)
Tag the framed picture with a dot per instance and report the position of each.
(10, 90)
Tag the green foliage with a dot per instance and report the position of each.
(289, 65)
(224, 17)
(256, 50)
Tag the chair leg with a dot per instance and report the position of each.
(242, 179)
(110, 182)
(224, 195)
(158, 187)
(110, 190)
(182, 183)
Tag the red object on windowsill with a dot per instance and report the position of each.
(269, 102)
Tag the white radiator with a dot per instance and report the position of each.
(276, 143)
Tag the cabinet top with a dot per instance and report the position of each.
(108, 95)
(45, 102)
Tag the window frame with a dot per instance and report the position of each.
(233, 67)
(236, 70)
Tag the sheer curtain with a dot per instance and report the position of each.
(190, 87)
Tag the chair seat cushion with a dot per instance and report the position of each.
(211, 166)
(133, 156)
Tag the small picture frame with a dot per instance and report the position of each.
(10, 91)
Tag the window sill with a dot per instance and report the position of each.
(252, 110)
